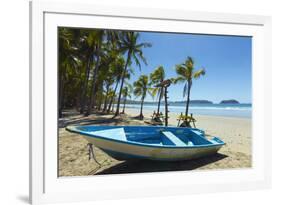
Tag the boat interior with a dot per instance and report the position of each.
(165, 136)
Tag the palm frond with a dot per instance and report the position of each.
(181, 70)
(140, 55)
(199, 73)
(153, 92)
(137, 61)
(141, 86)
(137, 91)
(145, 45)
(158, 75)
(179, 79)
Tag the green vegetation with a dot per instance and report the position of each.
(128, 43)
(141, 88)
(126, 92)
(156, 77)
(186, 73)
(95, 66)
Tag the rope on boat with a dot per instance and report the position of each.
(91, 153)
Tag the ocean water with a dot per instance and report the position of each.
(225, 110)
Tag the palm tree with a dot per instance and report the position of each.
(103, 40)
(95, 38)
(111, 95)
(129, 44)
(186, 73)
(157, 77)
(117, 68)
(141, 87)
(126, 92)
(67, 61)
(164, 85)
(108, 82)
(88, 47)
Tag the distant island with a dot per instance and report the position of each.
(229, 102)
(195, 102)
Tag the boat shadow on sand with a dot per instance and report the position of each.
(140, 166)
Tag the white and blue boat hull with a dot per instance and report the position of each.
(154, 143)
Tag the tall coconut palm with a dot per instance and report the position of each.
(89, 41)
(95, 38)
(186, 73)
(67, 61)
(108, 81)
(117, 68)
(157, 77)
(141, 88)
(111, 95)
(126, 92)
(129, 45)
(104, 40)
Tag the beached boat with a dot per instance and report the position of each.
(149, 142)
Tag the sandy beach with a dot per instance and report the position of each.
(73, 152)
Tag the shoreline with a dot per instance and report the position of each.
(135, 111)
(235, 132)
(221, 111)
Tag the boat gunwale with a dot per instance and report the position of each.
(74, 130)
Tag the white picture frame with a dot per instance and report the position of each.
(46, 187)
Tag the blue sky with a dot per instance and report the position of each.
(226, 59)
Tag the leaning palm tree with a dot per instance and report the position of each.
(157, 77)
(186, 73)
(108, 81)
(126, 92)
(117, 68)
(91, 41)
(111, 95)
(129, 45)
(101, 40)
(141, 88)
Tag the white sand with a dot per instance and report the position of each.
(236, 132)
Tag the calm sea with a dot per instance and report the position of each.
(226, 110)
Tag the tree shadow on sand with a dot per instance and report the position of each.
(90, 121)
(140, 166)
(99, 118)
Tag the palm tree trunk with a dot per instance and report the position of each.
(122, 82)
(77, 103)
(166, 105)
(109, 105)
(105, 100)
(99, 103)
(125, 100)
(98, 98)
(61, 82)
(93, 88)
(85, 85)
(159, 102)
(79, 94)
(111, 100)
(188, 99)
(141, 115)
